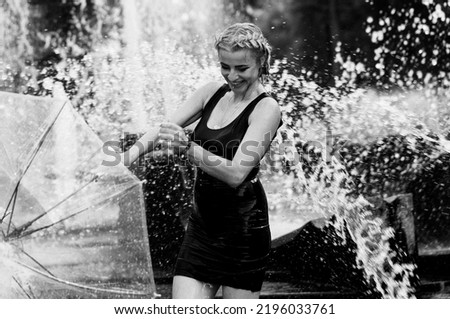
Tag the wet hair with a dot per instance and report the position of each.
(246, 36)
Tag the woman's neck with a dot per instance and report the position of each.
(252, 92)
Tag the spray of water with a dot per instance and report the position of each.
(359, 116)
(415, 115)
(331, 191)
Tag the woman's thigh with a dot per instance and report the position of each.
(234, 293)
(190, 288)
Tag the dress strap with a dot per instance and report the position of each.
(209, 106)
(243, 117)
(249, 109)
(212, 102)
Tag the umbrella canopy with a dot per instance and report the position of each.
(71, 227)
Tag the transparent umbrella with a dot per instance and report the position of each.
(70, 226)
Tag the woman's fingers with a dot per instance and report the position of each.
(175, 140)
(171, 126)
(168, 141)
(172, 138)
(173, 135)
(166, 136)
(161, 155)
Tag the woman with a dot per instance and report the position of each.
(227, 241)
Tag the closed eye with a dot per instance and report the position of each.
(238, 68)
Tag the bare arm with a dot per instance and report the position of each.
(263, 124)
(188, 113)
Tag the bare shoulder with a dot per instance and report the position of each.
(267, 108)
(207, 90)
(191, 109)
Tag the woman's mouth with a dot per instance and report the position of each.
(235, 84)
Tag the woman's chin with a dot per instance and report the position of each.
(237, 88)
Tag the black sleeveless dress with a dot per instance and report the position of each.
(227, 241)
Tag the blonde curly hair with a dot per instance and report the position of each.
(246, 36)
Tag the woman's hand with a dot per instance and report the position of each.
(172, 137)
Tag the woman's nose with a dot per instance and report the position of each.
(232, 75)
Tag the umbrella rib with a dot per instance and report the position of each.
(41, 141)
(50, 225)
(3, 150)
(24, 227)
(70, 216)
(14, 194)
(69, 283)
(27, 225)
(12, 209)
(21, 287)
(38, 263)
(13, 200)
(93, 154)
(34, 153)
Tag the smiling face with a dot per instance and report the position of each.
(240, 68)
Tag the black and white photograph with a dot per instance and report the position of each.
(225, 149)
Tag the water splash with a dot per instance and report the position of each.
(347, 115)
(358, 116)
(131, 34)
(14, 36)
